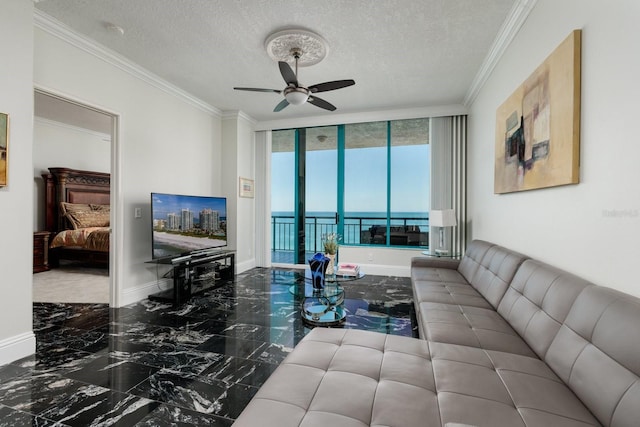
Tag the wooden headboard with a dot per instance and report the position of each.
(72, 186)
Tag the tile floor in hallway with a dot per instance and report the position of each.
(148, 364)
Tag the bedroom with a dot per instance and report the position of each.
(69, 135)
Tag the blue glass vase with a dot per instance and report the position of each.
(318, 265)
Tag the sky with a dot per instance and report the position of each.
(365, 180)
(170, 203)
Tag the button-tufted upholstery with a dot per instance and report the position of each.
(597, 353)
(546, 348)
(337, 377)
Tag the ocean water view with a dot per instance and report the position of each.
(359, 227)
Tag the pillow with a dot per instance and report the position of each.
(84, 219)
(73, 207)
(95, 207)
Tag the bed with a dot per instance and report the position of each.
(77, 212)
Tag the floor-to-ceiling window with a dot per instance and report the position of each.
(321, 181)
(409, 183)
(367, 181)
(366, 158)
(283, 196)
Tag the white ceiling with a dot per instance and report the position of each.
(56, 109)
(401, 53)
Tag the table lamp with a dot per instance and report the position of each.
(442, 218)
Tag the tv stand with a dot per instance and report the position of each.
(194, 274)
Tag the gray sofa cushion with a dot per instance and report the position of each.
(528, 318)
(538, 301)
(597, 353)
(448, 292)
(473, 258)
(338, 377)
(480, 279)
(451, 309)
(352, 378)
(495, 272)
(470, 326)
(489, 388)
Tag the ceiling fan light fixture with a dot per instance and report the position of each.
(296, 96)
(289, 45)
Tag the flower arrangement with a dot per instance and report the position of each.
(330, 243)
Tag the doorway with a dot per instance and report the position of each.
(71, 134)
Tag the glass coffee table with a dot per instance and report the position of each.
(323, 307)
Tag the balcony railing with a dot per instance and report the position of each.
(358, 230)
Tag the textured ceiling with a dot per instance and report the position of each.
(401, 53)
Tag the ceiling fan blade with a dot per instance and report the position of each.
(337, 84)
(287, 73)
(319, 102)
(256, 89)
(281, 105)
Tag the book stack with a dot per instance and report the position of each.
(348, 270)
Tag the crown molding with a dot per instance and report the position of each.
(238, 114)
(58, 29)
(512, 24)
(362, 117)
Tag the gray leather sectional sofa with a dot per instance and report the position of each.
(506, 341)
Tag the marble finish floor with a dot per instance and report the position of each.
(148, 364)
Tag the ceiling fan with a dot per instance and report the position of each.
(297, 94)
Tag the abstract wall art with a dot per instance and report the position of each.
(538, 126)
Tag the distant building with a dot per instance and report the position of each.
(173, 221)
(159, 224)
(186, 220)
(209, 220)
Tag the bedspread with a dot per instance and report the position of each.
(90, 238)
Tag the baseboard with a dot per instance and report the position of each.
(243, 266)
(17, 347)
(138, 293)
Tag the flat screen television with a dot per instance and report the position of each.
(184, 225)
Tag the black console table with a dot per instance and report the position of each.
(195, 274)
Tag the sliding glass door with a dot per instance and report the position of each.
(366, 171)
(283, 185)
(368, 182)
(304, 192)
(322, 189)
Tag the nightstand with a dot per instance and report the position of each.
(40, 251)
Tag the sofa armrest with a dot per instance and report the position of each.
(434, 262)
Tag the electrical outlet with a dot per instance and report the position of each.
(370, 257)
(137, 213)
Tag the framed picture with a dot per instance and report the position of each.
(4, 142)
(246, 187)
(538, 126)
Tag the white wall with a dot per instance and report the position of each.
(16, 251)
(380, 261)
(166, 144)
(56, 144)
(591, 228)
(246, 206)
(238, 154)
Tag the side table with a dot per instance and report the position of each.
(40, 251)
